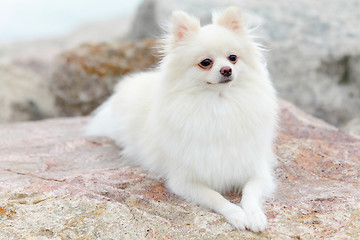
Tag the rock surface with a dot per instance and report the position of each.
(57, 184)
(23, 95)
(85, 76)
(30, 63)
(314, 48)
(37, 55)
(353, 127)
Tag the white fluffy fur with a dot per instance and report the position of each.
(202, 136)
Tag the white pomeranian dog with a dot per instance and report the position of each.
(204, 121)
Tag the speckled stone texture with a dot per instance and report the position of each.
(57, 184)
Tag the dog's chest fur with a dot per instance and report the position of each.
(214, 138)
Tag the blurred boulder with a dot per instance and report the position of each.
(25, 68)
(314, 55)
(24, 95)
(84, 77)
(353, 127)
(153, 15)
(145, 24)
(37, 55)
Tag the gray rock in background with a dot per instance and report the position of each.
(153, 15)
(314, 56)
(146, 24)
(24, 95)
(353, 127)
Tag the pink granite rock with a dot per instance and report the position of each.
(57, 184)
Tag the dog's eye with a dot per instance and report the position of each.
(233, 58)
(206, 63)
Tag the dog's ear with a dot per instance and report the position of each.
(231, 18)
(183, 26)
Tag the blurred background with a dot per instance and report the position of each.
(62, 58)
(22, 20)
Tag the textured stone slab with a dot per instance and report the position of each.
(57, 184)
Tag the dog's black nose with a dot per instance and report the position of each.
(226, 71)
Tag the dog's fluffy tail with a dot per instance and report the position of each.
(102, 122)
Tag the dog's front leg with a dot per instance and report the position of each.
(252, 199)
(201, 194)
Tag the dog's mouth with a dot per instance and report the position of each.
(226, 80)
(222, 81)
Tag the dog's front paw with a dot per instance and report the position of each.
(236, 216)
(257, 221)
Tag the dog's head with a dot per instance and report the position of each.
(215, 55)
